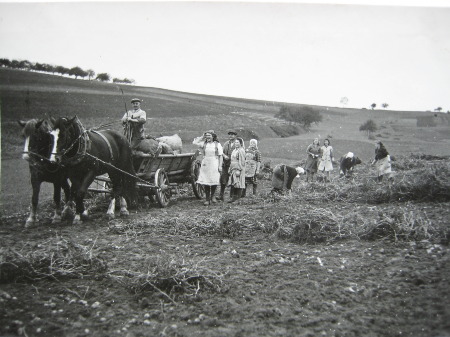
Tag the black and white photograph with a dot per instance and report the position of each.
(225, 168)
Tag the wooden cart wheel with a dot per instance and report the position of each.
(197, 188)
(162, 188)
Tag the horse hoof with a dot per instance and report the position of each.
(110, 216)
(67, 213)
(84, 215)
(30, 222)
(124, 213)
(56, 220)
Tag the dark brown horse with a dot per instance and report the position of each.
(37, 150)
(87, 154)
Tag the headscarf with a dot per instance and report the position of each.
(255, 142)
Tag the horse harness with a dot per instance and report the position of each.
(84, 143)
(107, 143)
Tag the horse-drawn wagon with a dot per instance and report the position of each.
(159, 176)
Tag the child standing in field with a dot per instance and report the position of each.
(326, 159)
(252, 165)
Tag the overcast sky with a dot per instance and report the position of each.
(291, 52)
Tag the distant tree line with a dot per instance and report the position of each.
(49, 68)
(374, 105)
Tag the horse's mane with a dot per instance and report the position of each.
(30, 127)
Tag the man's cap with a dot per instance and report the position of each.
(135, 100)
(232, 132)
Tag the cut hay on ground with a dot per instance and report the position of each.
(171, 276)
(56, 258)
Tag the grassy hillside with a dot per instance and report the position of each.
(29, 94)
(26, 95)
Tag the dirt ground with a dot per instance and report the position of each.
(230, 281)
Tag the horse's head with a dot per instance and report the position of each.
(37, 138)
(65, 135)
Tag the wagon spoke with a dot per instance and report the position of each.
(199, 192)
(163, 188)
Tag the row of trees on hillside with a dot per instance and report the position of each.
(344, 102)
(374, 105)
(383, 105)
(49, 68)
(305, 116)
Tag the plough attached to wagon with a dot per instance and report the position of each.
(158, 176)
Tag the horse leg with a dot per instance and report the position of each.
(79, 208)
(68, 199)
(32, 218)
(123, 207)
(81, 212)
(57, 199)
(111, 209)
(118, 192)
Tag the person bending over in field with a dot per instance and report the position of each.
(382, 162)
(133, 123)
(211, 167)
(283, 176)
(252, 165)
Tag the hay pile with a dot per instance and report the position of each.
(55, 258)
(404, 224)
(431, 183)
(356, 207)
(171, 275)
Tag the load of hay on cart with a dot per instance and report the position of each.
(159, 176)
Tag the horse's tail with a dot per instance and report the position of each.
(128, 180)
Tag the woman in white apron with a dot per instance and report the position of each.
(211, 168)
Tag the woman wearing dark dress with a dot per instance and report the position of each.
(313, 151)
(382, 161)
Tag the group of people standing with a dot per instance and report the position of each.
(320, 158)
(231, 165)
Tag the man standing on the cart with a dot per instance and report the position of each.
(133, 123)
